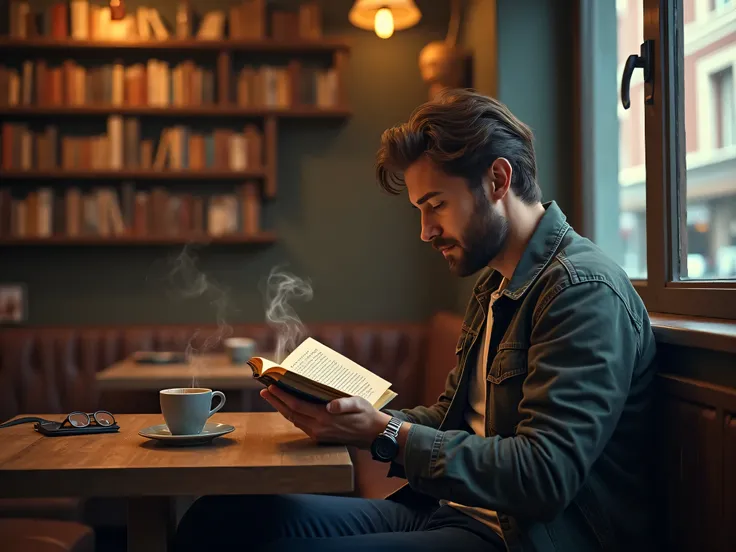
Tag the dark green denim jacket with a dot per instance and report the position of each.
(566, 456)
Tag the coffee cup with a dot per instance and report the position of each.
(240, 349)
(187, 409)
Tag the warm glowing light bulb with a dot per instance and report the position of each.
(384, 23)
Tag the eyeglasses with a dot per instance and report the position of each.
(83, 419)
(77, 419)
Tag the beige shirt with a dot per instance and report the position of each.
(475, 414)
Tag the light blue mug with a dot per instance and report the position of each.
(187, 409)
(240, 349)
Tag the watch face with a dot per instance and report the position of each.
(384, 447)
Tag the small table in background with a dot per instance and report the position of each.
(264, 455)
(132, 387)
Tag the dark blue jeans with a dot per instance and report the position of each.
(301, 523)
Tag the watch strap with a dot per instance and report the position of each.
(393, 427)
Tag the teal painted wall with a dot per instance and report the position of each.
(535, 80)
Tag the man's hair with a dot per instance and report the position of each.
(463, 133)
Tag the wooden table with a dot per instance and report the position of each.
(264, 455)
(128, 386)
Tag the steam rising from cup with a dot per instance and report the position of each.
(191, 283)
(282, 287)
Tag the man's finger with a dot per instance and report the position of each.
(345, 405)
(297, 405)
(285, 411)
(304, 423)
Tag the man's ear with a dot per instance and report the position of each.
(499, 178)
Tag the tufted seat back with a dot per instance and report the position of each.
(52, 370)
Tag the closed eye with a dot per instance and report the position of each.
(440, 205)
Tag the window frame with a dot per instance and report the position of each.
(705, 69)
(666, 183)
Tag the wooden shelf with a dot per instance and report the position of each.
(297, 46)
(262, 238)
(304, 112)
(61, 174)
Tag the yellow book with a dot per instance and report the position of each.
(316, 373)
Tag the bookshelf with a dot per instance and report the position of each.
(260, 238)
(285, 46)
(126, 174)
(300, 112)
(171, 105)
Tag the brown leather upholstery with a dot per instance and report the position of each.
(37, 535)
(52, 370)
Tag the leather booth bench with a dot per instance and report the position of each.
(52, 370)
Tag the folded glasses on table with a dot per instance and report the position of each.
(76, 419)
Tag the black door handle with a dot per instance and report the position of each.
(644, 60)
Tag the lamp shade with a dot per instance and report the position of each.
(405, 13)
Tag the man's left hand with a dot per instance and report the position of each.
(348, 421)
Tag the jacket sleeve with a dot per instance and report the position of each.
(582, 353)
(431, 416)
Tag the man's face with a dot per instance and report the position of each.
(462, 224)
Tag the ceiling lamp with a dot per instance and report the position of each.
(384, 16)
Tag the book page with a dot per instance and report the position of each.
(318, 362)
(266, 364)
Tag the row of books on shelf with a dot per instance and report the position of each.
(159, 84)
(281, 87)
(84, 20)
(102, 212)
(177, 148)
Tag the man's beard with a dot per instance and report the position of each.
(483, 238)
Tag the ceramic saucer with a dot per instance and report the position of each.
(209, 432)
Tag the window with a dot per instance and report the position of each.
(674, 229)
(724, 114)
(707, 243)
(632, 199)
(612, 193)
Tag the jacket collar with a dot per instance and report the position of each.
(538, 253)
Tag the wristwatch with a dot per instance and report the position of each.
(385, 447)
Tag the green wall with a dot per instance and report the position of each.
(535, 80)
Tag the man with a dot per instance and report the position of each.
(540, 440)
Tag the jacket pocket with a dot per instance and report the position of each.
(511, 360)
(506, 377)
(466, 338)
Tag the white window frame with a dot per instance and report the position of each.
(730, 112)
(705, 68)
(721, 5)
(709, 26)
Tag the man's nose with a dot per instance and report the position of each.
(429, 230)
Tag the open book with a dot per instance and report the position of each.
(316, 373)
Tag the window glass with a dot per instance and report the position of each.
(631, 152)
(708, 187)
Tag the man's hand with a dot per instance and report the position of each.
(347, 421)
